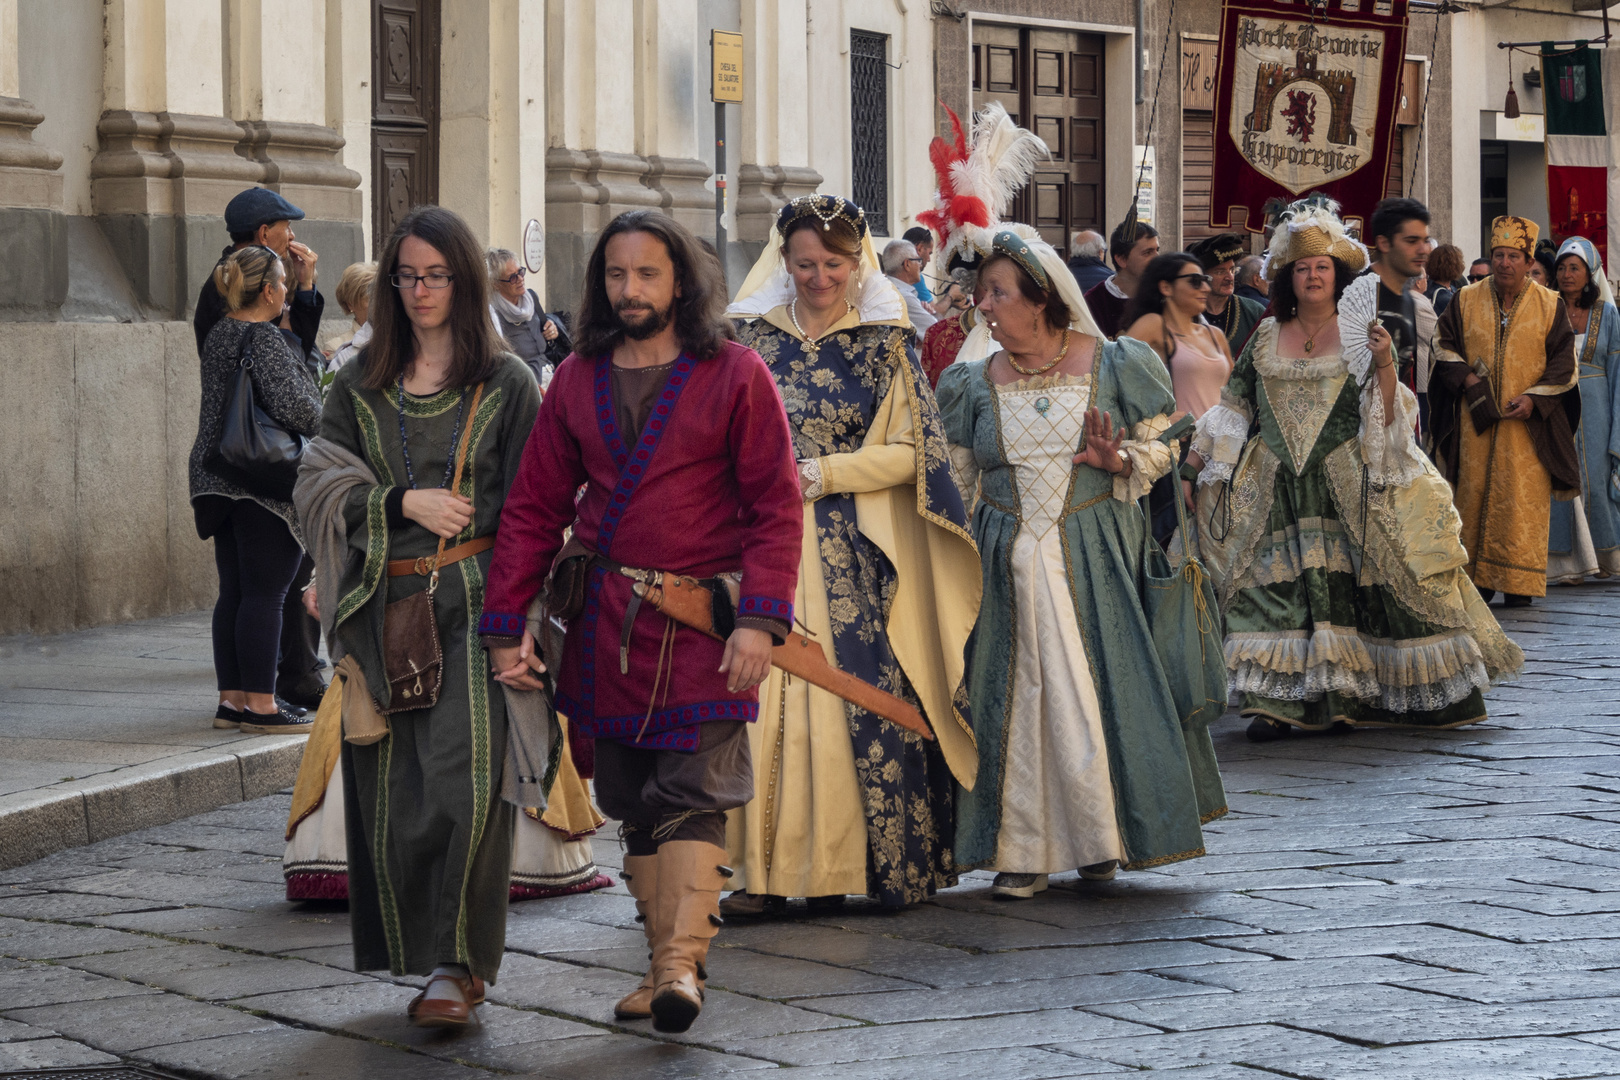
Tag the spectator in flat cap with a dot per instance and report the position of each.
(261, 216)
(1235, 316)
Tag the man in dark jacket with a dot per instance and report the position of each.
(1086, 264)
(260, 216)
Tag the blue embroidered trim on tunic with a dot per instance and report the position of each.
(632, 469)
(767, 607)
(501, 625)
(666, 729)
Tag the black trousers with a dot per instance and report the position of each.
(257, 557)
(300, 634)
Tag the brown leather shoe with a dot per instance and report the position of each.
(444, 1012)
(641, 878)
(691, 874)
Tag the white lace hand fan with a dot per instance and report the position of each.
(1358, 313)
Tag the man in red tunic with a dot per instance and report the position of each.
(680, 441)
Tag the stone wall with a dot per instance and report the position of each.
(95, 430)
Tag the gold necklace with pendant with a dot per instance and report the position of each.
(811, 345)
(1310, 339)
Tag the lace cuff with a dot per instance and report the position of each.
(1390, 451)
(1219, 440)
(965, 471)
(1149, 458)
(810, 474)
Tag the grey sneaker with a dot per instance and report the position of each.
(1018, 886)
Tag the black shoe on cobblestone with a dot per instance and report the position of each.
(226, 717)
(280, 722)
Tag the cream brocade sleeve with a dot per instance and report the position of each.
(1219, 440)
(965, 470)
(1150, 458)
(876, 467)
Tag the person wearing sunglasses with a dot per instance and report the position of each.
(1479, 271)
(538, 338)
(1166, 314)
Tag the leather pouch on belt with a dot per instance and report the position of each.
(1480, 401)
(412, 656)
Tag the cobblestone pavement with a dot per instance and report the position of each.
(1378, 904)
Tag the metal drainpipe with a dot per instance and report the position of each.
(1141, 48)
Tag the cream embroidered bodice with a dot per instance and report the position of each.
(1041, 422)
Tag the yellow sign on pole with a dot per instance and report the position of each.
(726, 49)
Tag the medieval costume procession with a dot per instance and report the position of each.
(728, 560)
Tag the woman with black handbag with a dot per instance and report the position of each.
(246, 506)
(433, 414)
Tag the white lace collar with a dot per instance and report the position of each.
(1269, 364)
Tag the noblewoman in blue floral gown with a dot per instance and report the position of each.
(1083, 760)
(845, 802)
(1585, 533)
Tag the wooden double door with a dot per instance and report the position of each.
(1051, 82)
(404, 111)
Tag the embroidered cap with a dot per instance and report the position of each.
(1214, 250)
(1515, 232)
(825, 209)
(1017, 249)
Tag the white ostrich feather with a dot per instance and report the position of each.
(1001, 158)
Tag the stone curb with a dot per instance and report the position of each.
(34, 824)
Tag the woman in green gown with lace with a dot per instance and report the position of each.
(1334, 541)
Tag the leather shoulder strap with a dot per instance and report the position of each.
(461, 460)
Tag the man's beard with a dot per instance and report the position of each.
(650, 327)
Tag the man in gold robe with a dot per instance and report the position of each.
(1505, 407)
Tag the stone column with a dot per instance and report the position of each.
(673, 53)
(595, 76)
(33, 275)
(774, 148)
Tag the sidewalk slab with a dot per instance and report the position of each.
(110, 730)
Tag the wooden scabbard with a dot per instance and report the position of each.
(690, 604)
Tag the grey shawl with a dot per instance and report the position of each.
(326, 475)
(533, 739)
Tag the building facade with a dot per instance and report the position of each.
(126, 126)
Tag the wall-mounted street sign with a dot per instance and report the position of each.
(726, 50)
(534, 246)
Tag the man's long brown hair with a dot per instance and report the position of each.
(392, 351)
(700, 309)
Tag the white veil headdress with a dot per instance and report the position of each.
(769, 285)
(1588, 252)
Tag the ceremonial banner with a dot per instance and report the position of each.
(1578, 173)
(1305, 101)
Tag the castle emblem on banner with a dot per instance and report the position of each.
(1305, 99)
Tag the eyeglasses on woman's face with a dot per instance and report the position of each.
(1198, 281)
(514, 278)
(432, 281)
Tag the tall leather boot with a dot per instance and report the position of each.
(641, 878)
(691, 874)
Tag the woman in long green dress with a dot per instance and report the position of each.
(430, 843)
(1334, 541)
(1083, 760)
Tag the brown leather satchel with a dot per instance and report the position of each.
(413, 658)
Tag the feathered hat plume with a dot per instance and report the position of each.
(978, 180)
(1311, 226)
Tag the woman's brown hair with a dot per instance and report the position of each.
(700, 309)
(475, 352)
(242, 275)
(1446, 265)
(1052, 304)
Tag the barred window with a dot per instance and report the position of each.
(869, 105)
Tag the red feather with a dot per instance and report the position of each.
(957, 209)
(970, 210)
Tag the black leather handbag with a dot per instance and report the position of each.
(255, 450)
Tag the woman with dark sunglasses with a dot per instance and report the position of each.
(1165, 313)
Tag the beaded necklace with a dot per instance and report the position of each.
(455, 437)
